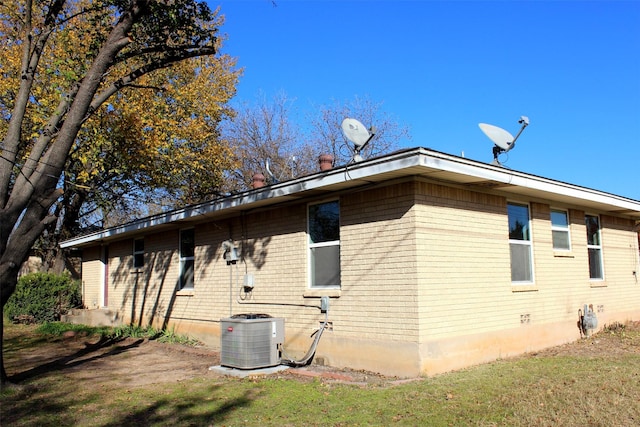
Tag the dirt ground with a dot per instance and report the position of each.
(135, 362)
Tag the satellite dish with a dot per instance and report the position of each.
(357, 133)
(499, 136)
(502, 139)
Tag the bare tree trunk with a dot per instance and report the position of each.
(27, 194)
(9, 279)
(58, 265)
(4, 379)
(26, 213)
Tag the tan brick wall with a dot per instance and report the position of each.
(463, 261)
(120, 283)
(620, 253)
(92, 270)
(471, 312)
(426, 282)
(143, 296)
(379, 289)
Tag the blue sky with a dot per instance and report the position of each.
(442, 67)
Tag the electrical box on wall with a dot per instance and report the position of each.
(230, 252)
(248, 282)
(231, 256)
(324, 304)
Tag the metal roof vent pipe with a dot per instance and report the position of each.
(257, 180)
(325, 161)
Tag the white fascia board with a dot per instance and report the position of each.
(519, 179)
(357, 172)
(273, 194)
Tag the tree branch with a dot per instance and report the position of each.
(128, 80)
(29, 64)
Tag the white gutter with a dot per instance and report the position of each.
(519, 179)
(415, 161)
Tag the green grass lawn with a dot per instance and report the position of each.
(549, 389)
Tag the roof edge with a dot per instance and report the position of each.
(353, 172)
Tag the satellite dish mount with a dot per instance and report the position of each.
(502, 139)
(355, 132)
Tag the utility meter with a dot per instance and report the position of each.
(324, 304)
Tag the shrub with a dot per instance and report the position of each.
(44, 296)
(118, 332)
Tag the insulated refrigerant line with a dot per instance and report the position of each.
(306, 360)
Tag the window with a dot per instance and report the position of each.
(594, 246)
(138, 253)
(187, 250)
(324, 244)
(520, 243)
(560, 230)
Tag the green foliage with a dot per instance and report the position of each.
(132, 331)
(118, 332)
(59, 328)
(43, 297)
(170, 336)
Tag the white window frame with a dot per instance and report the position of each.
(325, 244)
(184, 260)
(560, 229)
(595, 247)
(522, 242)
(138, 254)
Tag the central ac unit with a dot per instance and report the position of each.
(250, 341)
